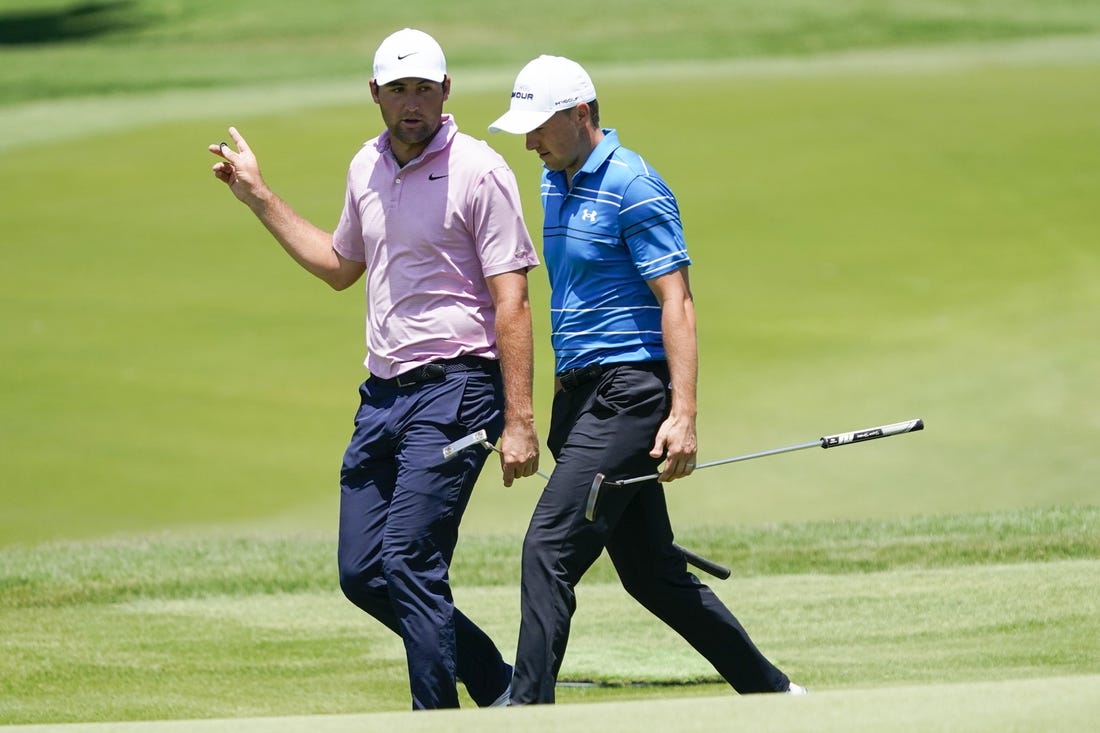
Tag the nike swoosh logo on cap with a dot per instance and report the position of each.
(402, 58)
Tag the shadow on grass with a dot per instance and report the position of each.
(74, 23)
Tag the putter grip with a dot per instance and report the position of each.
(702, 563)
(883, 431)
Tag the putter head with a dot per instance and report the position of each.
(593, 496)
(477, 438)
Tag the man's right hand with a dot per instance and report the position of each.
(519, 450)
(239, 169)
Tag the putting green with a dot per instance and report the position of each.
(1064, 703)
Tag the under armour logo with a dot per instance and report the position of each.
(588, 215)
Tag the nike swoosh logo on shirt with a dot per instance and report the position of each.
(433, 177)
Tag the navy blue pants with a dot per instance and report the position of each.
(608, 425)
(400, 508)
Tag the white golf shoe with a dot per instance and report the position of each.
(796, 690)
(502, 701)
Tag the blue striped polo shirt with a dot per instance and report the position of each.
(617, 227)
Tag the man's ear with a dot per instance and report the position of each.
(446, 87)
(584, 114)
(374, 91)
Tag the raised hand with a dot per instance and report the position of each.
(239, 168)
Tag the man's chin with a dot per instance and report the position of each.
(412, 134)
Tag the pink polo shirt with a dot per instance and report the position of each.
(430, 233)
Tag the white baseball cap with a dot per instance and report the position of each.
(406, 54)
(544, 86)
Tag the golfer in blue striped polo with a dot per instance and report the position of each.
(623, 331)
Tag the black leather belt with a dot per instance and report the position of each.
(573, 378)
(438, 369)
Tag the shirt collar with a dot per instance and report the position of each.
(603, 150)
(599, 155)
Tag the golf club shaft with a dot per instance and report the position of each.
(829, 441)
(735, 459)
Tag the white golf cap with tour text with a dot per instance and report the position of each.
(544, 86)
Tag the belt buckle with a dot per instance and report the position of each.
(423, 373)
(576, 377)
(431, 372)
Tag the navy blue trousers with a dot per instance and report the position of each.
(400, 509)
(608, 425)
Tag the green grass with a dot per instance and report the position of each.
(150, 45)
(1064, 703)
(891, 211)
(869, 247)
(172, 627)
(171, 566)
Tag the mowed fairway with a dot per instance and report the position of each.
(168, 628)
(871, 244)
(877, 234)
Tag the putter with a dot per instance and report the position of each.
(477, 438)
(829, 441)
(481, 438)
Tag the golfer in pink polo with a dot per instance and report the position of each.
(432, 217)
